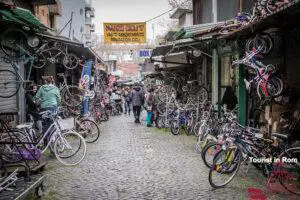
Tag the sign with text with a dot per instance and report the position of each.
(145, 53)
(125, 33)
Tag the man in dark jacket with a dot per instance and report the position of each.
(33, 108)
(137, 100)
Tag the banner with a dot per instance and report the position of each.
(125, 33)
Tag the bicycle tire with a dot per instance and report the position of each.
(13, 81)
(70, 61)
(274, 86)
(72, 95)
(39, 61)
(292, 152)
(206, 149)
(175, 127)
(11, 40)
(270, 6)
(84, 129)
(61, 145)
(215, 167)
(268, 40)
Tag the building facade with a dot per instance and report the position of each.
(76, 22)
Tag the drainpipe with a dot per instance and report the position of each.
(215, 59)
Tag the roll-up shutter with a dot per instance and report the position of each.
(7, 104)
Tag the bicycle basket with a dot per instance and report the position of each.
(30, 153)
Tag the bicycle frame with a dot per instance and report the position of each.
(53, 131)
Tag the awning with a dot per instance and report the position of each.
(198, 30)
(23, 17)
(161, 50)
(179, 53)
(270, 20)
(203, 45)
(61, 39)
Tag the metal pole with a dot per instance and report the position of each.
(71, 24)
(215, 11)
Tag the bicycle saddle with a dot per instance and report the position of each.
(281, 136)
(24, 126)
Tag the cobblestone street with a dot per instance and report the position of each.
(132, 161)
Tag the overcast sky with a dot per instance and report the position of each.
(130, 11)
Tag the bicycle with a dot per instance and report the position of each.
(72, 95)
(15, 43)
(61, 142)
(11, 81)
(87, 128)
(228, 161)
(52, 52)
(266, 82)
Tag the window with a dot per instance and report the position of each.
(247, 5)
(227, 9)
(43, 12)
(81, 11)
(206, 12)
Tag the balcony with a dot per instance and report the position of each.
(92, 28)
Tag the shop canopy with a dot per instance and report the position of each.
(198, 30)
(23, 17)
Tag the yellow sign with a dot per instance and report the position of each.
(125, 33)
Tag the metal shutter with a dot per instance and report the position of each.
(7, 104)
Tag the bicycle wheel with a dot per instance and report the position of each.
(266, 40)
(289, 175)
(88, 129)
(9, 83)
(209, 152)
(274, 86)
(72, 96)
(271, 6)
(175, 127)
(40, 60)
(13, 42)
(161, 122)
(164, 93)
(70, 61)
(70, 148)
(255, 44)
(222, 166)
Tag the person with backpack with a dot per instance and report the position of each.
(137, 100)
(49, 97)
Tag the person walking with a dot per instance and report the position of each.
(137, 100)
(149, 107)
(50, 99)
(127, 101)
